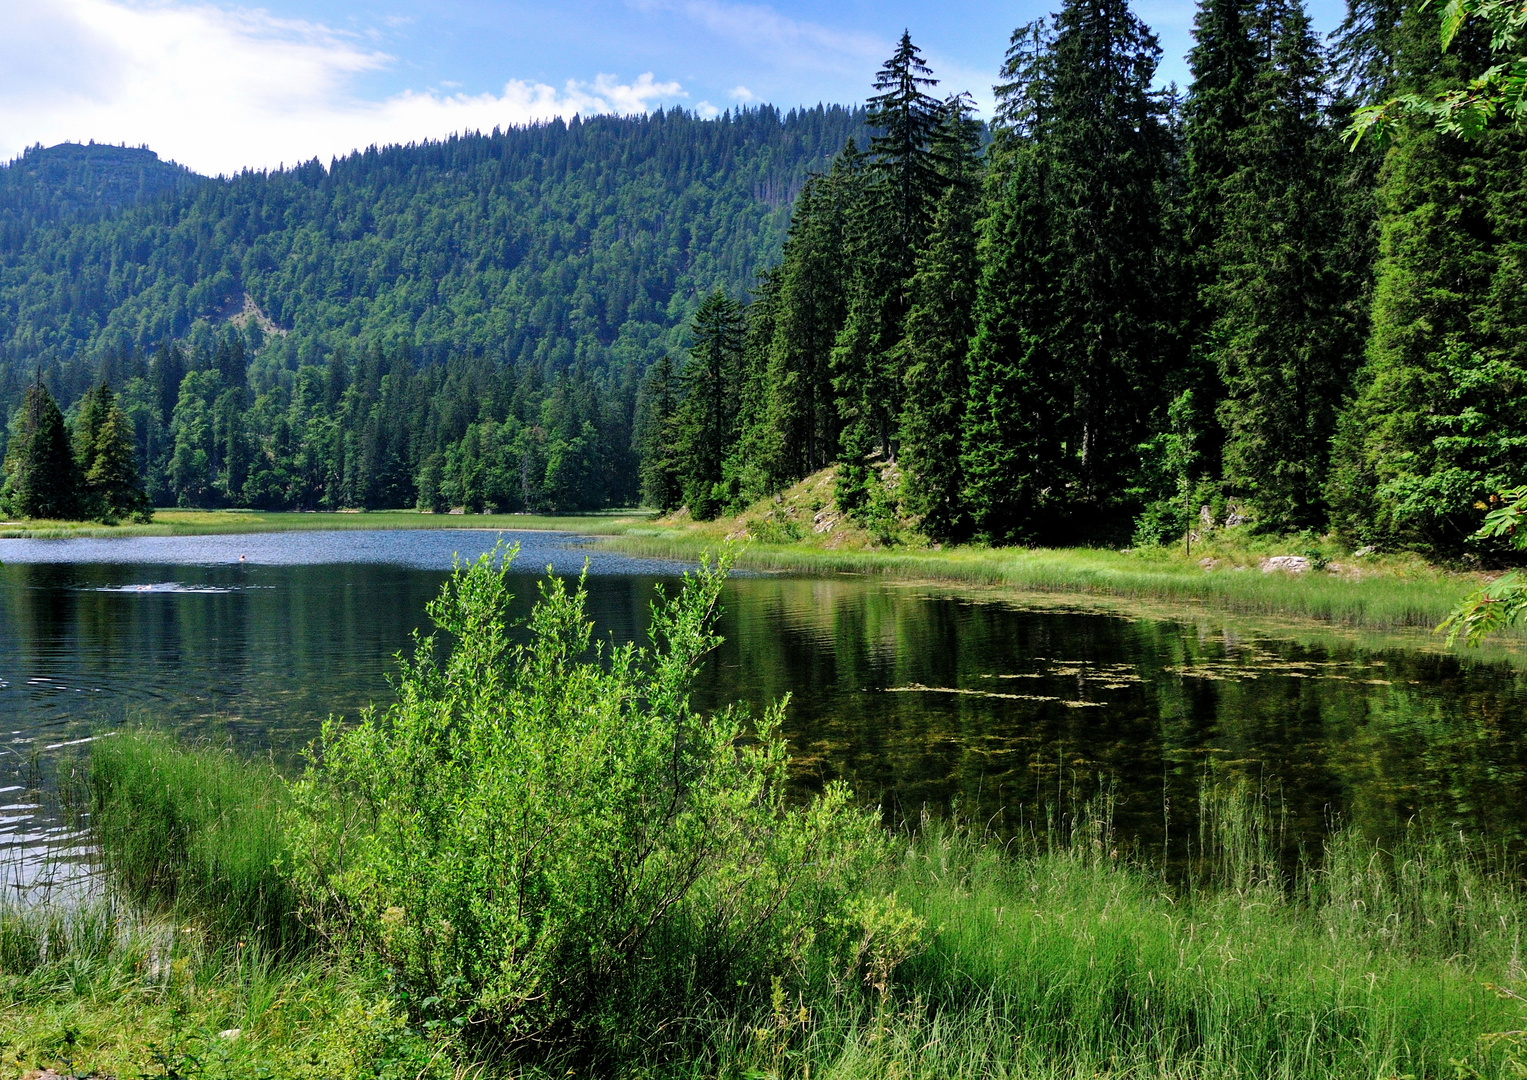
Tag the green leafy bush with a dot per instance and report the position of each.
(543, 842)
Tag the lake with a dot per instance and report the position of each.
(1000, 707)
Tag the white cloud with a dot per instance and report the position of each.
(786, 42)
(742, 93)
(220, 90)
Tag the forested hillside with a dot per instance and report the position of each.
(520, 281)
(1111, 314)
(1132, 315)
(72, 183)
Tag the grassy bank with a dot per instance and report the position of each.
(1384, 594)
(1052, 957)
(175, 522)
(800, 531)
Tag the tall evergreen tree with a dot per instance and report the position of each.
(1107, 149)
(906, 161)
(1436, 424)
(1012, 446)
(801, 413)
(887, 227)
(1078, 280)
(1286, 306)
(41, 477)
(112, 488)
(705, 424)
(938, 330)
(91, 414)
(661, 488)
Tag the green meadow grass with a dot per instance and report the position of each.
(1394, 595)
(1052, 956)
(175, 522)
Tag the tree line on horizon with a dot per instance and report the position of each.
(1111, 314)
(1129, 313)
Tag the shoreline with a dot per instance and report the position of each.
(1399, 597)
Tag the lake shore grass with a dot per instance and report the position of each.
(1396, 593)
(180, 522)
(1053, 956)
(1380, 593)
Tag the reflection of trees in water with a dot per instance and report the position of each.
(1007, 713)
(1001, 711)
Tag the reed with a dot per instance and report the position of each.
(194, 828)
(1054, 955)
(1403, 596)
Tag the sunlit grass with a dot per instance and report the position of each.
(1054, 955)
(176, 522)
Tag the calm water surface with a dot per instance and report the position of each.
(920, 697)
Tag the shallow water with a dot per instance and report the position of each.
(920, 697)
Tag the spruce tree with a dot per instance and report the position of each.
(801, 411)
(653, 432)
(887, 226)
(112, 486)
(938, 330)
(41, 477)
(705, 423)
(91, 414)
(1436, 424)
(1106, 147)
(1285, 336)
(1075, 314)
(1012, 445)
(904, 152)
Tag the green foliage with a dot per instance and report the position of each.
(938, 330)
(1499, 92)
(704, 426)
(199, 829)
(103, 440)
(541, 838)
(1436, 423)
(1499, 604)
(1284, 298)
(41, 477)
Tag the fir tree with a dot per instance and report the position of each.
(112, 488)
(90, 415)
(801, 412)
(906, 159)
(661, 487)
(704, 426)
(1436, 423)
(41, 477)
(938, 331)
(1106, 147)
(1011, 447)
(1075, 309)
(1285, 336)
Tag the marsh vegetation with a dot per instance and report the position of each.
(543, 859)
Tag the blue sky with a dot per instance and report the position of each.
(221, 86)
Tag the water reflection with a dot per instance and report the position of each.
(919, 697)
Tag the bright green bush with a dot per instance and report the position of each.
(543, 842)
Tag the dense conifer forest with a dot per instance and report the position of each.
(1129, 313)
(1113, 313)
(459, 323)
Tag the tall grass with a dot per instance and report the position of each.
(1054, 955)
(197, 828)
(1402, 600)
(1061, 959)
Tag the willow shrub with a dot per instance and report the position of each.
(543, 842)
